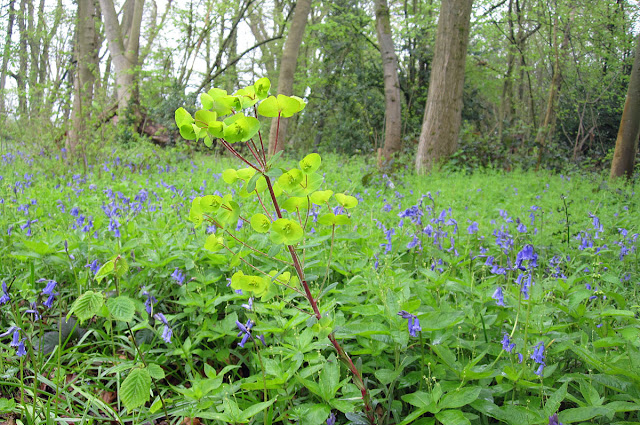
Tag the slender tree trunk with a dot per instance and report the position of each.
(21, 76)
(627, 141)
(287, 70)
(443, 113)
(546, 131)
(124, 48)
(86, 53)
(393, 117)
(5, 60)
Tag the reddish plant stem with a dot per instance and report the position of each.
(237, 155)
(255, 155)
(357, 377)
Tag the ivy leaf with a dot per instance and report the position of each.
(121, 308)
(135, 389)
(310, 163)
(346, 201)
(87, 305)
(286, 231)
(260, 223)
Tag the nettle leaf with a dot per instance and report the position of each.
(214, 243)
(135, 389)
(87, 305)
(347, 201)
(205, 118)
(310, 163)
(291, 180)
(321, 196)
(230, 176)
(121, 308)
(195, 213)
(210, 203)
(330, 219)
(286, 231)
(295, 202)
(262, 87)
(260, 223)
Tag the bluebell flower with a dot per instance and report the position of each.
(473, 228)
(34, 310)
(538, 357)
(48, 290)
(498, 296)
(528, 254)
(94, 266)
(415, 242)
(166, 332)
(150, 301)
(5, 298)
(249, 305)
(178, 276)
(413, 322)
(522, 228)
(376, 263)
(245, 332)
(553, 420)
(239, 224)
(332, 419)
(507, 345)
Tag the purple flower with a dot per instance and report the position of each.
(413, 322)
(249, 305)
(166, 332)
(498, 296)
(507, 345)
(415, 242)
(245, 332)
(553, 420)
(48, 290)
(526, 254)
(94, 266)
(178, 276)
(151, 300)
(5, 298)
(332, 419)
(473, 228)
(538, 357)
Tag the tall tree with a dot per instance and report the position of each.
(627, 141)
(288, 63)
(124, 48)
(86, 55)
(443, 113)
(5, 59)
(393, 117)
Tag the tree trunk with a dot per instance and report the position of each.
(545, 132)
(393, 118)
(443, 113)
(124, 48)
(21, 76)
(86, 53)
(278, 133)
(627, 141)
(5, 60)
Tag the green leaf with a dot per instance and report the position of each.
(229, 213)
(269, 107)
(210, 203)
(459, 398)
(206, 100)
(329, 382)
(310, 163)
(187, 132)
(87, 305)
(183, 117)
(260, 223)
(214, 243)
(105, 270)
(121, 308)
(294, 203)
(346, 201)
(251, 184)
(321, 196)
(205, 118)
(256, 408)
(246, 173)
(195, 213)
(257, 285)
(418, 399)
(135, 389)
(230, 176)
(330, 219)
(290, 105)
(582, 414)
(155, 371)
(262, 87)
(452, 417)
(291, 180)
(436, 320)
(286, 231)
(309, 184)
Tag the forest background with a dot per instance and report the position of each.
(544, 81)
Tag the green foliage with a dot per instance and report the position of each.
(134, 391)
(87, 305)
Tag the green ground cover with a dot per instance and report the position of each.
(484, 298)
